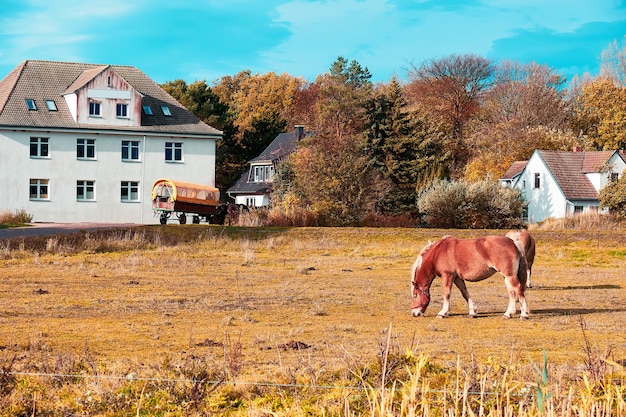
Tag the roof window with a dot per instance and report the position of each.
(166, 110)
(52, 106)
(30, 103)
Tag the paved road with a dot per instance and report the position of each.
(49, 229)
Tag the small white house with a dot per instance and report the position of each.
(84, 142)
(253, 186)
(559, 184)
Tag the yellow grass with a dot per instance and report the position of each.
(241, 299)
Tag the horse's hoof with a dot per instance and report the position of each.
(506, 317)
(441, 316)
(524, 318)
(473, 316)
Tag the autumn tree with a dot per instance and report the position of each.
(524, 110)
(599, 113)
(331, 172)
(261, 107)
(201, 100)
(613, 196)
(449, 89)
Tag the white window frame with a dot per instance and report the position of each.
(250, 201)
(173, 152)
(129, 146)
(129, 192)
(86, 145)
(95, 108)
(41, 188)
(42, 147)
(85, 190)
(121, 110)
(537, 181)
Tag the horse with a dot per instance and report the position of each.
(526, 243)
(460, 260)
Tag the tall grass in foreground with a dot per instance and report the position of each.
(194, 386)
(15, 218)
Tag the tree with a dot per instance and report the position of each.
(599, 113)
(402, 146)
(449, 89)
(613, 65)
(613, 196)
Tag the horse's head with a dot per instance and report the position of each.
(420, 284)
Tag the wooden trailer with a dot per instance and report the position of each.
(182, 199)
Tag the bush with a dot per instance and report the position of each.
(15, 218)
(471, 205)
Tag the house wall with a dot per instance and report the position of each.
(547, 200)
(258, 200)
(62, 168)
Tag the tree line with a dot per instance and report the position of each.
(378, 149)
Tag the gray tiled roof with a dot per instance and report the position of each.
(45, 80)
(569, 169)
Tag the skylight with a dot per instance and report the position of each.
(52, 106)
(166, 110)
(31, 104)
(147, 110)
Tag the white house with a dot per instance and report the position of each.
(84, 142)
(559, 184)
(253, 186)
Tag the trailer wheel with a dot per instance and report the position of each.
(196, 219)
(163, 218)
(182, 218)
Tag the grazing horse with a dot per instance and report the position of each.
(525, 243)
(460, 260)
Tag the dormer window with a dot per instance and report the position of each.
(122, 110)
(147, 110)
(94, 108)
(30, 103)
(52, 106)
(166, 110)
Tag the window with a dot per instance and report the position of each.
(130, 150)
(174, 151)
(614, 177)
(262, 173)
(122, 110)
(166, 110)
(94, 108)
(130, 191)
(147, 110)
(52, 106)
(578, 209)
(85, 190)
(537, 180)
(30, 103)
(250, 201)
(38, 189)
(86, 148)
(39, 148)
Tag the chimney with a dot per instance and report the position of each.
(577, 149)
(299, 132)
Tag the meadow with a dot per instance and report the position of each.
(202, 319)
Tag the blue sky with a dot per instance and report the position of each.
(207, 39)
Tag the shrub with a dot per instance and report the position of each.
(17, 217)
(471, 205)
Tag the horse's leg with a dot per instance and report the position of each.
(461, 286)
(446, 284)
(514, 288)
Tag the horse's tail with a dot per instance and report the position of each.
(522, 275)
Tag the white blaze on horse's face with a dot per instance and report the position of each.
(419, 295)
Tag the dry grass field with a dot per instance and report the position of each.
(102, 317)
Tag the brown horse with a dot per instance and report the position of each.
(526, 243)
(460, 260)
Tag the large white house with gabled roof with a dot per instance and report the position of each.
(558, 184)
(84, 142)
